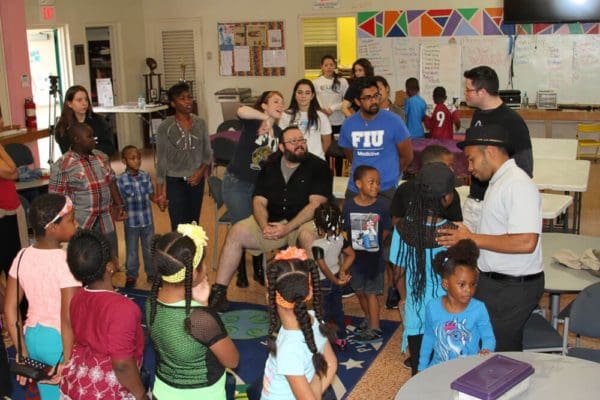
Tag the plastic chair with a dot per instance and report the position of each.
(230, 125)
(539, 336)
(20, 153)
(215, 189)
(582, 320)
(223, 150)
(588, 137)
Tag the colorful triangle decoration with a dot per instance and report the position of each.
(414, 14)
(541, 28)
(489, 26)
(467, 13)
(440, 13)
(441, 20)
(363, 16)
(429, 27)
(403, 23)
(456, 22)
(396, 31)
(368, 26)
(452, 23)
(390, 18)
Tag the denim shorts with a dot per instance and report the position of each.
(367, 284)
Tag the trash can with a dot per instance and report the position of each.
(231, 99)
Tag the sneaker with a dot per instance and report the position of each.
(347, 292)
(130, 282)
(392, 299)
(406, 363)
(341, 344)
(369, 336)
(218, 298)
(362, 326)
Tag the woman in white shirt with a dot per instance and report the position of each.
(305, 113)
(331, 89)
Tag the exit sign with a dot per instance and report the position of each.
(47, 13)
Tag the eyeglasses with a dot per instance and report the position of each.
(304, 92)
(376, 96)
(295, 141)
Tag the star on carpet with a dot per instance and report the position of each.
(351, 363)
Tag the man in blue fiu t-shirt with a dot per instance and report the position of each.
(377, 138)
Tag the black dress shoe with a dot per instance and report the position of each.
(259, 272)
(242, 276)
(218, 298)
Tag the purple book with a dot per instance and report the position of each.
(492, 378)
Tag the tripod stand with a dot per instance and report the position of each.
(53, 100)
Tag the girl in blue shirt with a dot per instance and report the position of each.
(456, 324)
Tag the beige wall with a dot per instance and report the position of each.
(126, 19)
(139, 23)
(211, 12)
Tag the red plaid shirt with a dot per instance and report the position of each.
(86, 180)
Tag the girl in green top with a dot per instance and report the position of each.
(190, 341)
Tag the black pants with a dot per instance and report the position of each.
(185, 201)
(414, 346)
(509, 304)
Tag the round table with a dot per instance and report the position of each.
(555, 377)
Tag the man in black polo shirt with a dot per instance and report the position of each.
(292, 184)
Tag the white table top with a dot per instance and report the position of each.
(559, 278)
(551, 148)
(131, 109)
(555, 377)
(36, 183)
(561, 175)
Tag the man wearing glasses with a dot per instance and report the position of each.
(481, 91)
(377, 138)
(292, 184)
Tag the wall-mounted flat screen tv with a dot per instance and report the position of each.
(551, 11)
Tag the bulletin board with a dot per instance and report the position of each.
(252, 49)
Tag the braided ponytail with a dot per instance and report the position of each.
(273, 315)
(304, 321)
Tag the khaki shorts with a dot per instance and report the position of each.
(266, 245)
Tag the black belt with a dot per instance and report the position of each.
(510, 278)
(178, 178)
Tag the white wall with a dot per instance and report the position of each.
(211, 12)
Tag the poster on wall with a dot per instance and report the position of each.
(254, 48)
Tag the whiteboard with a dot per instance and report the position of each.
(568, 64)
(440, 65)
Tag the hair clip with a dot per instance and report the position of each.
(198, 236)
(292, 253)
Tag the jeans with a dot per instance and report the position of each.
(132, 238)
(237, 195)
(110, 236)
(185, 201)
(332, 306)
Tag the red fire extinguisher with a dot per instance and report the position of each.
(30, 119)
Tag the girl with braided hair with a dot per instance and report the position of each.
(456, 323)
(191, 343)
(414, 247)
(301, 362)
(107, 326)
(326, 250)
(40, 274)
